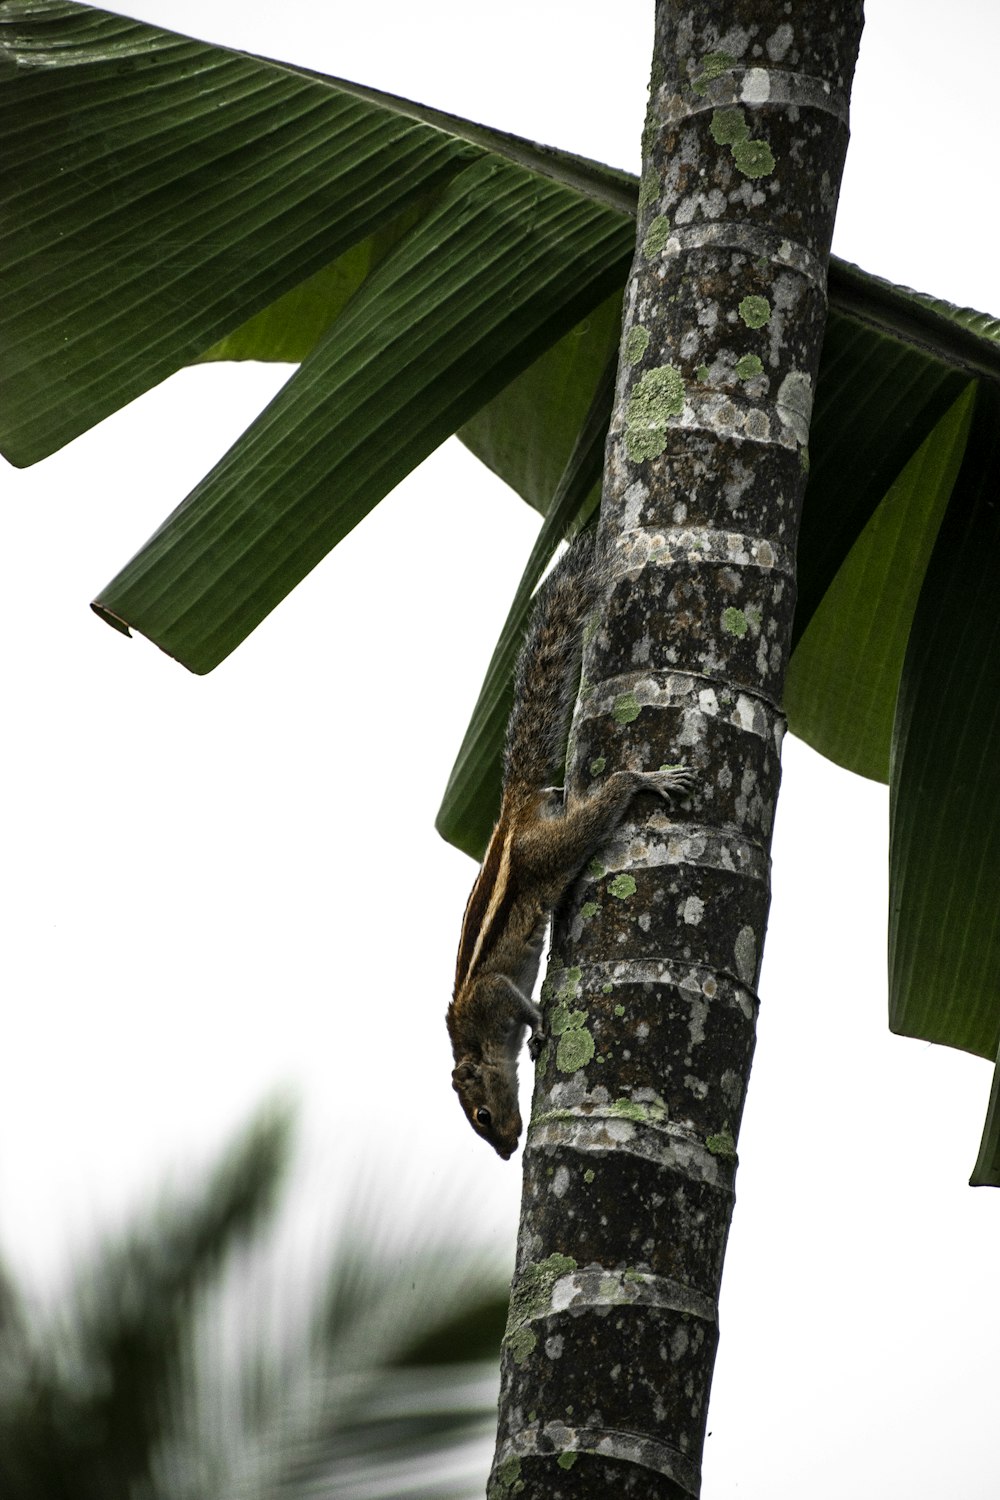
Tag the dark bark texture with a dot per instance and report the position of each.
(651, 1000)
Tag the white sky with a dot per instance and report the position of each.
(221, 887)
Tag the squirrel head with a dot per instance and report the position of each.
(488, 1095)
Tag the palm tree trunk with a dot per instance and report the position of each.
(650, 999)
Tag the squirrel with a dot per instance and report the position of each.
(537, 849)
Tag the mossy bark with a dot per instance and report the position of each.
(651, 996)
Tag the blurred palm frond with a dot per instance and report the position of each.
(189, 1360)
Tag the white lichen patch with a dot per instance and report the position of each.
(745, 1003)
(563, 1292)
(732, 1088)
(635, 497)
(748, 714)
(794, 404)
(694, 910)
(756, 86)
(692, 727)
(698, 544)
(735, 41)
(693, 846)
(758, 426)
(708, 316)
(696, 1023)
(603, 1290)
(787, 290)
(745, 954)
(729, 416)
(762, 658)
(779, 41)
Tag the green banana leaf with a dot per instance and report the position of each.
(167, 202)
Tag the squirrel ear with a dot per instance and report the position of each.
(466, 1072)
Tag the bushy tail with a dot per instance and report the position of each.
(547, 676)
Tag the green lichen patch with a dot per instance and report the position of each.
(588, 1176)
(521, 1342)
(606, 989)
(657, 397)
(570, 983)
(754, 158)
(507, 1478)
(734, 622)
(656, 236)
(532, 1294)
(748, 366)
(636, 343)
(622, 887)
(649, 188)
(722, 1144)
(597, 765)
(627, 707)
(619, 1010)
(712, 65)
(566, 1460)
(702, 373)
(804, 460)
(595, 869)
(627, 1109)
(652, 1112)
(575, 1050)
(755, 311)
(589, 909)
(728, 126)
(563, 1019)
(576, 1045)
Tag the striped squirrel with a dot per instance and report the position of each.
(537, 849)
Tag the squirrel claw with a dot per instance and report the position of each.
(535, 1044)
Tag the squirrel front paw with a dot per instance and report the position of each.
(671, 781)
(536, 1042)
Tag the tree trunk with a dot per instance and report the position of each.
(650, 999)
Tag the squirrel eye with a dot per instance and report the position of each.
(483, 1117)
